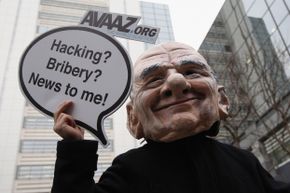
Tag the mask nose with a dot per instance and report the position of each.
(176, 85)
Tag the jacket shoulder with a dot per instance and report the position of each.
(136, 153)
(238, 154)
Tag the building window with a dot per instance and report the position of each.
(274, 149)
(214, 46)
(42, 29)
(284, 29)
(108, 123)
(59, 17)
(74, 5)
(35, 172)
(257, 9)
(109, 148)
(228, 48)
(101, 169)
(37, 123)
(279, 11)
(38, 146)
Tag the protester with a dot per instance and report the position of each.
(176, 106)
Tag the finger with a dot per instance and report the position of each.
(67, 129)
(64, 121)
(62, 108)
(82, 130)
(74, 134)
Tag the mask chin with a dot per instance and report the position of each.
(213, 130)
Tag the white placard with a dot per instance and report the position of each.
(80, 64)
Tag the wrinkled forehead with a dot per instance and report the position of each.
(169, 54)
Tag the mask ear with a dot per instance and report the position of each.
(133, 123)
(224, 103)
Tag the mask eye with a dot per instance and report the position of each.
(155, 81)
(191, 74)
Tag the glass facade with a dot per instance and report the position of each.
(154, 14)
(267, 18)
(248, 47)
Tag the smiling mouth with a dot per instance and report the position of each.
(176, 103)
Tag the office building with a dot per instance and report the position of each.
(249, 47)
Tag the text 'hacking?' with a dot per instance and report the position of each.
(77, 51)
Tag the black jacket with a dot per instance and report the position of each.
(195, 164)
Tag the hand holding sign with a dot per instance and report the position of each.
(79, 64)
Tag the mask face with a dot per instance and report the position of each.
(174, 94)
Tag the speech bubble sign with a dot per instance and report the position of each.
(80, 64)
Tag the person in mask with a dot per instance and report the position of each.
(176, 106)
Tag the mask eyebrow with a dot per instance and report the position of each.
(192, 62)
(149, 70)
(199, 64)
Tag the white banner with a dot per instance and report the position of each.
(121, 25)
